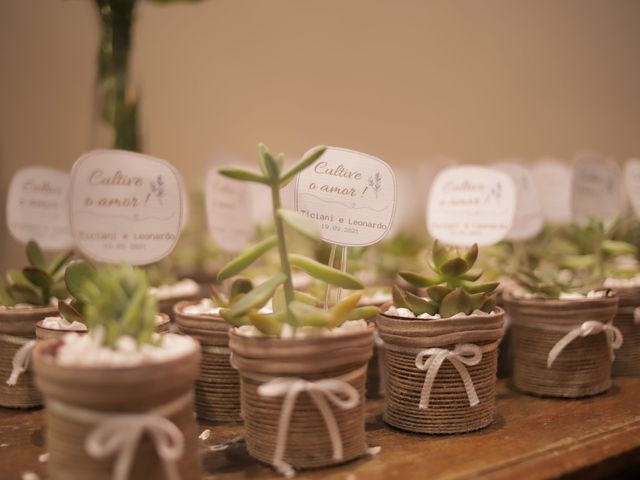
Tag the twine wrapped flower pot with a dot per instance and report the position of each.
(303, 398)
(563, 348)
(627, 361)
(116, 423)
(218, 383)
(17, 336)
(441, 373)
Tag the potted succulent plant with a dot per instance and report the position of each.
(441, 348)
(168, 289)
(563, 331)
(79, 276)
(27, 297)
(119, 400)
(302, 368)
(218, 384)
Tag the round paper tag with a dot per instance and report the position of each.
(38, 207)
(125, 207)
(470, 204)
(553, 181)
(229, 216)
(632, 181)
(528, 219)
(350, 195)
(596, 189)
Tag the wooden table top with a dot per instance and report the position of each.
(531, 438)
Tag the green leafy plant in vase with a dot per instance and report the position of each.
(136, 384)
(286, 345)
(441, 346)
(27, 297)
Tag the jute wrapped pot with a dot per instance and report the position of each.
(303, 398)
(44, 333)
(441, 373)
(18, 330)
(627, 361)
(563, 348)
(218, 383)
(96, 417)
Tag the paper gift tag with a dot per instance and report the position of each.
(125, 207)
(471, 204)
(553, 181)
(350, 195)
(528, 218)
(38, 207)
(596, 188)
(632, 182)
(229, 217)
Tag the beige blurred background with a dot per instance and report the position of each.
(403, 80)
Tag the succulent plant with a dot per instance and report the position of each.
(452, 287)
(77, 275)
(289, 307)
(116, 299)
(548, 283)
(37, 283)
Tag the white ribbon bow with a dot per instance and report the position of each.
(461, 355)
(20, 361)
(321, 392)
(590, 327)
(120, 435)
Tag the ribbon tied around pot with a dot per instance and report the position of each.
(120, 435)
(340, 393)
(461, 356)
(590, 327)
(21, 358)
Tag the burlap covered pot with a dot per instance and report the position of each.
(563, 348)
(441, 373)
(627, 319)
(303, 398)
(96, 417)
(218, 383)
(18, 330)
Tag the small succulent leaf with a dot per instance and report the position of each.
(24, 294)
(421, 281)
(457, 301)
(325, 273)
(472, 255)
(78, 275)
(5, 297)
(269, 324)
(308, 315)
(438, 292)
(235, 321)
(363, 313)
(303, 163)
(481, 287)
(341, 310)
(472, 275)
(489, 304)
(454, 267)
(70, 312)
(439, 254)
(35, 255)
(15, 276)
(56, 266)
(239, 287)
(247, 257)
(280, 161)
(305, 298)
(243, 175)
(257, 297)
(550, 291)
(268, 164)
(398, 297)
(419, 305)
(218, 298)
(614, 247)
(301, 224)
(578, 262)
(39, 278)
(477, 300)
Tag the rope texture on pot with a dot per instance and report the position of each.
(590, 327)
(21, 358)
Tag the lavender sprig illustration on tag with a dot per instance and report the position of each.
(375, 182)
(157, 188)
